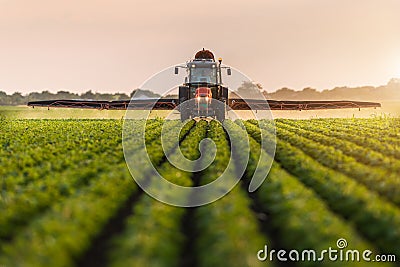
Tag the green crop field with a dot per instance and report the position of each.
(67, 197)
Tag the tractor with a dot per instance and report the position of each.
(203, 94)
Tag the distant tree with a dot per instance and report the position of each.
(394, 82)
(66, 95)
(170, 96)
(308, 93)
(283, 94)
(88, 95)
(392, 89)
(4, 98)
(120, 96)
(17, 99)
(147, 93)
(105, 96)
(34, 96)
(249, 89)
(46, 95)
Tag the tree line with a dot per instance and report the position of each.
(20, 99)
(390, 91)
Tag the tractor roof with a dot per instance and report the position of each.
(204, 54)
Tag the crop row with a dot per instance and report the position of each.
(215, 244)
(362, 154)
(20, 203)
(295, 211)
(228, 231)
(56, 216)
(382, 181)
(374, 217)
(388, 148)
(32, 149)
(152, 234)
(67, 228)
(385, 129)
(64, 232)
(54, 151)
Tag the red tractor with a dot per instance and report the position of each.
(204, 85)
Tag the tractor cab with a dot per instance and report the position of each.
(203, 72)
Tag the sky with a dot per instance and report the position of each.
(114, 46)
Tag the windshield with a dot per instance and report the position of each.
(206, 75)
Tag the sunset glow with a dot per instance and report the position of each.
(115, 46)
